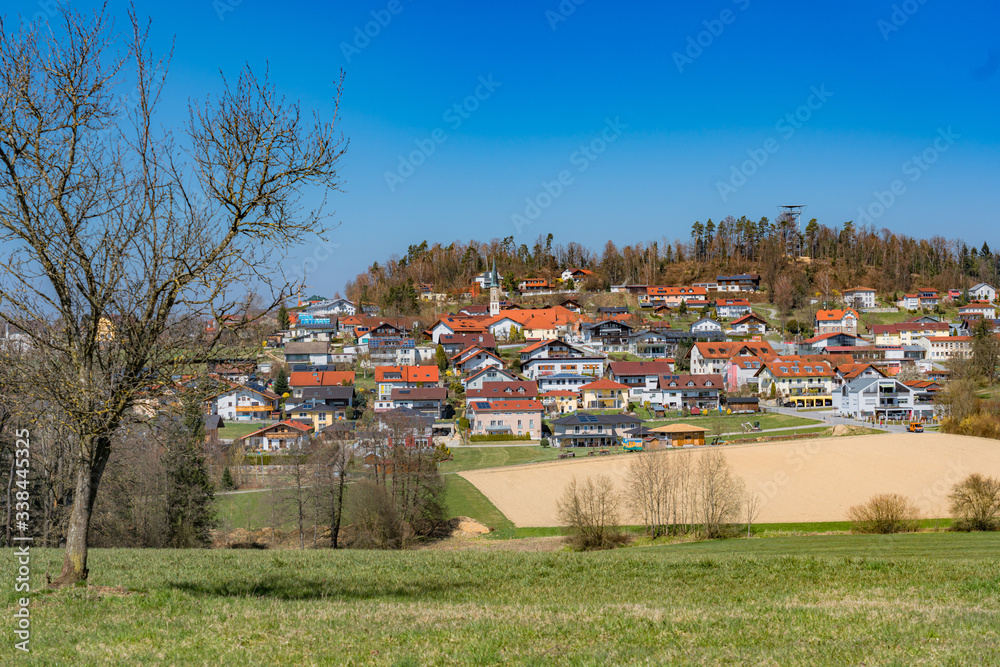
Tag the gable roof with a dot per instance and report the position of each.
(674, 381)
(407, 373)
(634, 368)
(503, 371)
(727, 350)
(419, 393)
(513, 405)
(320, 378)
(835, 315)
(604, 383)
(502, 390)
(748, 317)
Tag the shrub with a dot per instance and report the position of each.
(227, 482)
(499, 437)
(975, 503)
(590, 510)
(377, 523)
(544, 442)
(884, 514)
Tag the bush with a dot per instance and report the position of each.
(975, 503)
(545, 442)
(227, 482)
(590, 510)
(376, 522)
(499, 437)
(885, 514)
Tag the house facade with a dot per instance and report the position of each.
(859, 297)
(731, 309)
(244, 404)
(604, 394)
(586, 430)
(510, 417)
(279, 436)
(836, 321)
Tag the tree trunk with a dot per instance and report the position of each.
(88, 477)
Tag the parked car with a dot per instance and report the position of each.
(915, 427)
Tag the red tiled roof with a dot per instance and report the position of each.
(408, 373)
(320, 378)
(604, 383)
(834, 315)
(507, 406)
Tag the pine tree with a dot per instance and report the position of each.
(442, 358)
(281, 382)
(227, 480)
(190, 515)
(284, 322)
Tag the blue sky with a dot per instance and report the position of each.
(653, 116)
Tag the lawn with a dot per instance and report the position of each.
(234, 430)
(731, 423)
(495, 456)
(839, 599)
(462, 498)
(255, 510)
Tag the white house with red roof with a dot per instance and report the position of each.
(639, 376)
(805, 383)
(475, 359)
(750, 324)
(978, 310)
(278, 436)
(502, 391)
(388, 378)
(604, 394)
(479, 379)
(507, 417)
(731, 309)
(836, 321)
(859, 297)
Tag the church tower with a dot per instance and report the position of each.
(494, 291)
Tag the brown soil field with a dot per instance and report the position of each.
(798, 480)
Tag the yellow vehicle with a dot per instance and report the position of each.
(915, 427)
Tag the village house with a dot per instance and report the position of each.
(338, 399)
(586, 430)
(639, 376)
(279, 436)
(560, 402)
(604, 394)
(563, 381)
(508, 417)
(502, 391)
(824, 342)
(836, 321)
(859, 297)
(299, 380)
(576, 275)
(534, 285)
(706, 325)
(907, 333)
(804, 383)
(750, 324)
(536, 369)
(731, 309)
(455, 343)
(683, 392)
(475, 359)
(314, 354)
(869, 397)
(923, 298)
(978, 310)
(983, 292)
(429, 401)
(711, 358)
(741, 371)
(479, 379)
(672, 297)
(242, 403)
(388, 378)
(943, 348)
(552, 348)
(744, 282)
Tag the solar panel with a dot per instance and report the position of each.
(482, 405)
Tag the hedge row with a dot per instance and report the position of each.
(500, 436)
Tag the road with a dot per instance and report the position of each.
(829, 418)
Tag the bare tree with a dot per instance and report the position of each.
(649, 480)
(334, 461)
(298, 485)
(122, 239)
(752, 502)
(975, 503)
(720, 493)
(591, 512)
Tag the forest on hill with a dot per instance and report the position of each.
(793, 264)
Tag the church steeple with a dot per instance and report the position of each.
(494, 290)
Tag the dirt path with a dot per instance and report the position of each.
(799, 480)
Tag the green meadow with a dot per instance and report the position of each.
(931, 598)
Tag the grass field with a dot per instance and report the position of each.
(731, 423)
(925, 598)
(493, 456)
(234, 430)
